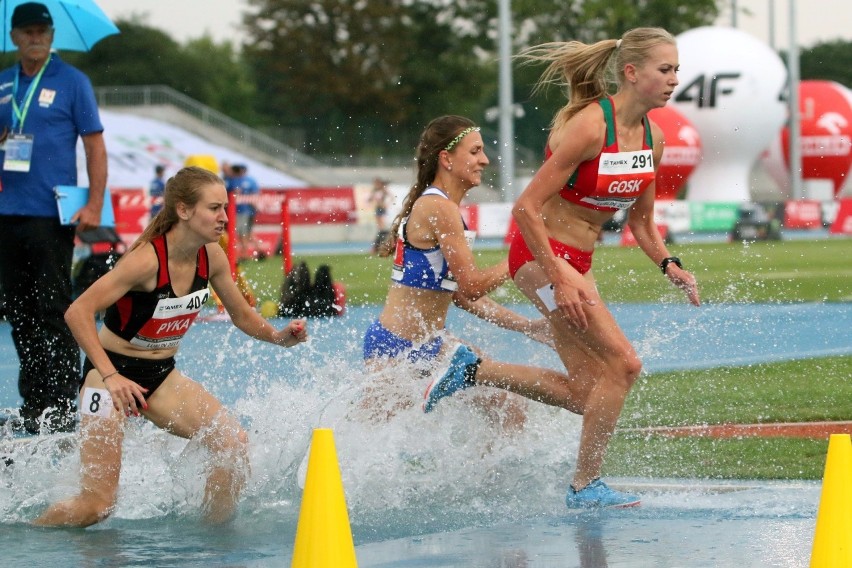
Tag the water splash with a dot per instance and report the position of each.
(404, 472)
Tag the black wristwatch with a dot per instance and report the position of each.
(666, 261)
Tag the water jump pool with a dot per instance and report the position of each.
(447, 489)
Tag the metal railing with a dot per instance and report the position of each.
(157, 95)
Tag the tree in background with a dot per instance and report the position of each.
(211, 73)
(539, 21)
(359, 76)
(330, 68)
(828, 61)
(361, 79)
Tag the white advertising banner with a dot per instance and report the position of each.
(136, 144)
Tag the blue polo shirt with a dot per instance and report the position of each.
(246, 186)
(63, 108)
(156, 189)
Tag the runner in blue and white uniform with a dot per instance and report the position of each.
(151, 298)
(434, 267)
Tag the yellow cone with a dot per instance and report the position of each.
(269, 309)
(205, 161)
(833, 536)
(323, 536)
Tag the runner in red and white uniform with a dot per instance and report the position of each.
(601, 157)
(151, 298)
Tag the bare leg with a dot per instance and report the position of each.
(382, 398)
(612, 378)
(100, 463)
(600, 360)
(541, 385)
(227, 443)
(504, 409)
(184, 408)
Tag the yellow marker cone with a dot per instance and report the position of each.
(323, 536)
(833, 536)
(269, 309)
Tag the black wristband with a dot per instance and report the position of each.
(666, 261)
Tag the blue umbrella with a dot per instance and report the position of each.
(79, 24)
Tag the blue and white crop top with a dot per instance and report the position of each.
(426, 269)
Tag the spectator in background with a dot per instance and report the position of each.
(156, 189)
(45, 105)
(379, 200)
(239, 183)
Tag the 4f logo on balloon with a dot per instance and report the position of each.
(705, 91)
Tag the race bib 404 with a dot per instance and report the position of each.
(171, 320)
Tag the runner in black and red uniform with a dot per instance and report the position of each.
(151, 298)
(154, 320)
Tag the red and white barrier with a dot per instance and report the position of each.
(323, 206)
(842, 224)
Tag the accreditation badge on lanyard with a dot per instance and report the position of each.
(19, 153)
(19, 146)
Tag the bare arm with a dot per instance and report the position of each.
(487, 309)
(242, 314)
(447, 229)
(136, 270)
(89, 217)
(644, 228)
(579, 140)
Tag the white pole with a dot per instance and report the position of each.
(506, 112)
(795, 118)
(772, 24)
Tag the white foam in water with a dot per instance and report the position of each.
(406, 474)
(396, 461)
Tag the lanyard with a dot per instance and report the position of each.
(18, 114)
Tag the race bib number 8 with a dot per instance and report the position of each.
(96, 402)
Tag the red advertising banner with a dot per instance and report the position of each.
(132, 212)
(267, 204)
(319, 205)
(470, 214)
(803, 214)
(307, 206)
(843, 222)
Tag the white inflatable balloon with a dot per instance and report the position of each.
(732, 89)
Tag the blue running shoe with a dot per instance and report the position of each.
(459, 376)
(597, 495)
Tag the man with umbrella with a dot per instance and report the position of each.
(45, 105)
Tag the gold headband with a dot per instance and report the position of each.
(461, 135)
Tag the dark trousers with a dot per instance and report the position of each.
(35, 272)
